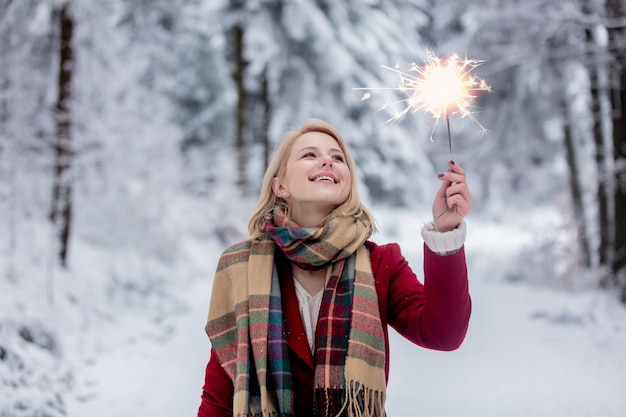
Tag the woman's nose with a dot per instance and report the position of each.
(327, 161)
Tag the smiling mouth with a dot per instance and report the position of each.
(325, 178)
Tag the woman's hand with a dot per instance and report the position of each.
(453, 199)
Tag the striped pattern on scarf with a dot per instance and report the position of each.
(245, 322)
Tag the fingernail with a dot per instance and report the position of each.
(451, 162)
(440, 175)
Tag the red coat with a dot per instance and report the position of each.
(434, 315)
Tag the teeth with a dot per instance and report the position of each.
(324, 178)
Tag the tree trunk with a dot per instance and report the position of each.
(240, 117)
(616, 11)
(602, 131)
(7, 171)
(576, 188)
(604, 163)
(5, 82)
(61, 212)
(267, 117)
(619, 137)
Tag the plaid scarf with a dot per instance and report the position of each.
(245, 322)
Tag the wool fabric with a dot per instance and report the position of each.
(245, 322)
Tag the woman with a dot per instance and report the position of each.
(299, 311)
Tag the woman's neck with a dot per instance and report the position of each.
(312, 281)
(311, 218)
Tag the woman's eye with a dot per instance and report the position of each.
(338, 158)
(309, 155)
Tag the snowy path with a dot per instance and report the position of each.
(153, 378)
(529, 352)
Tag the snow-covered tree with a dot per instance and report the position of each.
(551, 65)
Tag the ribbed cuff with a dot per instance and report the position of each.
(445, 243)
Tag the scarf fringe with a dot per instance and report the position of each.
(359, 401)
(328, 400)
(365, 402)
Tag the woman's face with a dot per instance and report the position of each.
(316, 180)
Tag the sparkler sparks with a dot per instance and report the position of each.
(442, 87)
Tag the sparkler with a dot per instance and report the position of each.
(441, 87)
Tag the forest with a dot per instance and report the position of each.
(134, 135)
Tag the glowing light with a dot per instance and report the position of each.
(441, 87)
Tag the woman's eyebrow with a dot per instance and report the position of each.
(315, 148)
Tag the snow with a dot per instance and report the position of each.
(531, 350)
(120, 333)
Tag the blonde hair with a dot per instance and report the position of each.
(268, 200)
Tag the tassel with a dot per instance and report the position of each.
(328, 402)
(365, 402)
(359, 401)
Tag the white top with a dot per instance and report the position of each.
(309, 310)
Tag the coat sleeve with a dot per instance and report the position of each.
(217, 393)
(434, 314)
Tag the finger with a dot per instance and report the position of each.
(460, 189)
(458, 203)
(455, 172)
(452, 177)
(454, 167)
(445, 183)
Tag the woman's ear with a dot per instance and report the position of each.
(279, 189)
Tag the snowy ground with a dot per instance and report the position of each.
(531, 350)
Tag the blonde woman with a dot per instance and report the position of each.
(299, 312)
